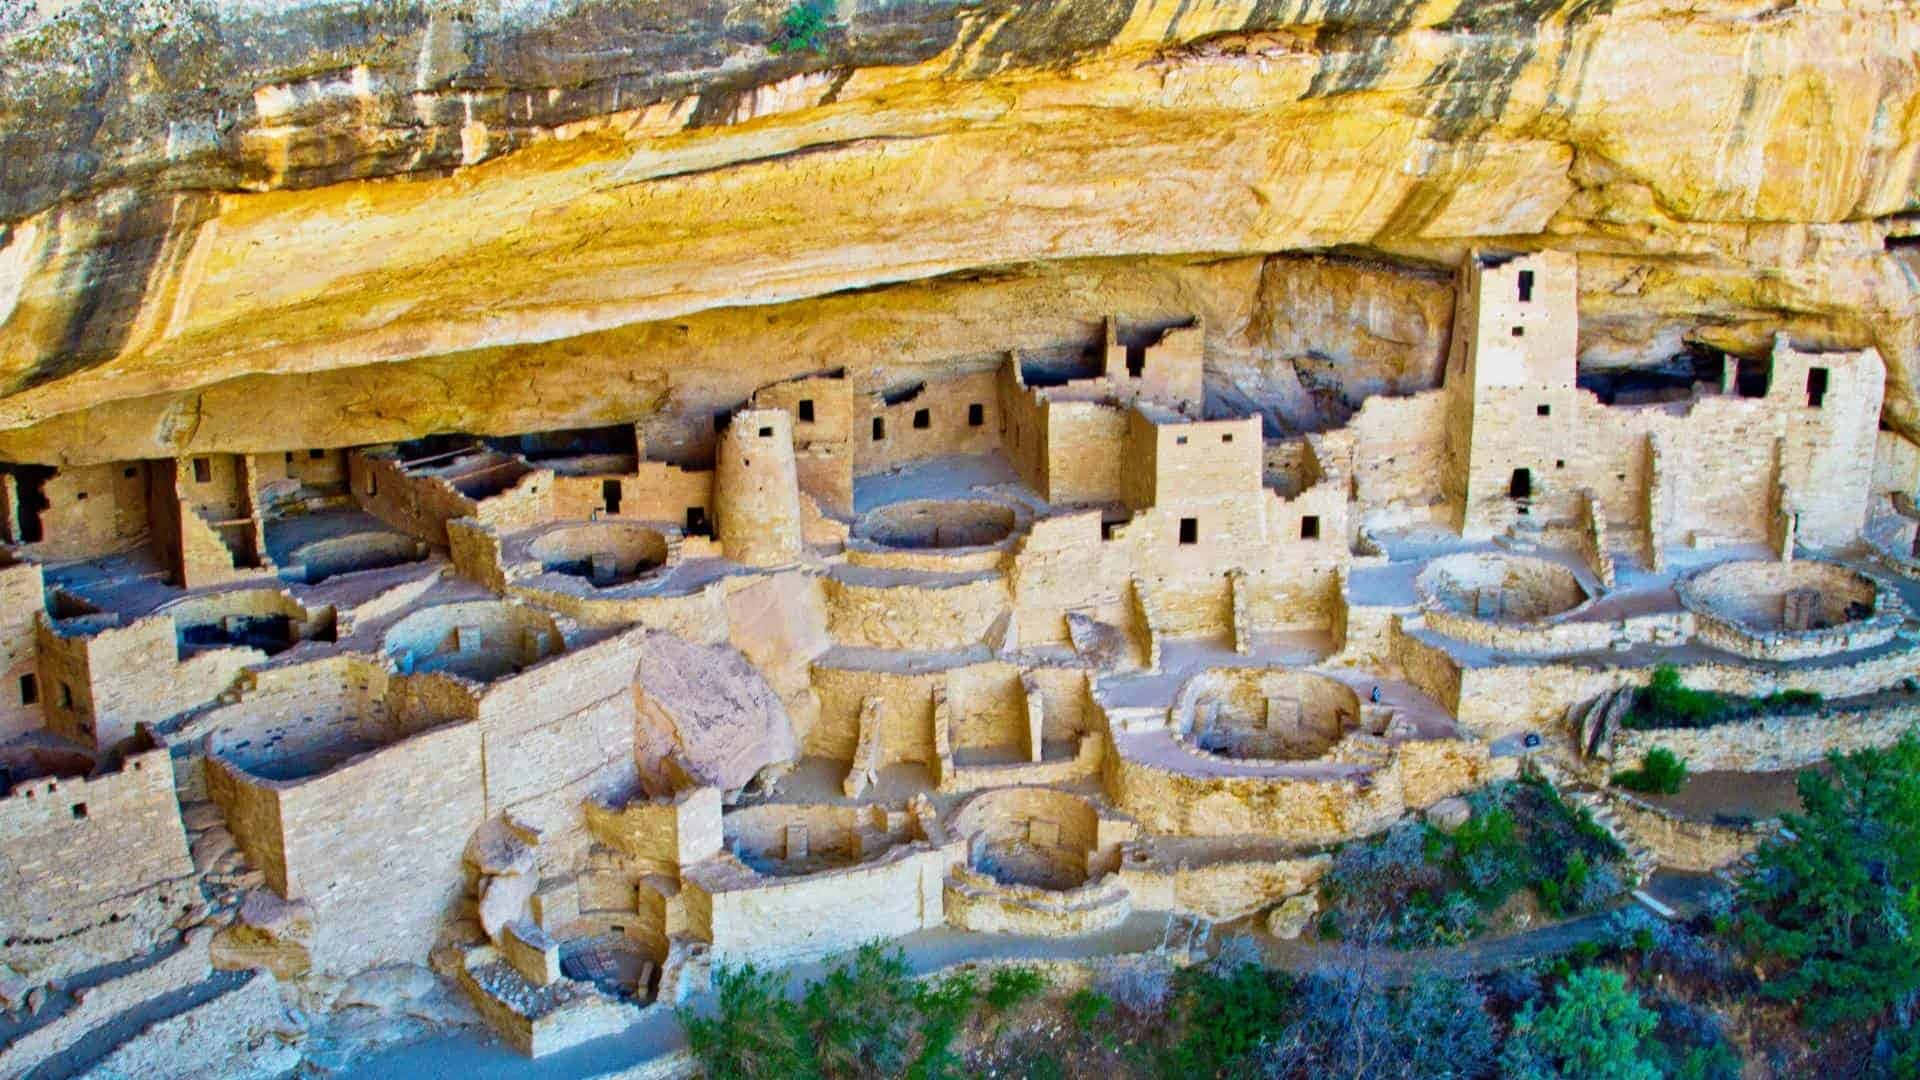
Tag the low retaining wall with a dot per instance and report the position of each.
(1685, 844)
(1770, 743)
(983, 904)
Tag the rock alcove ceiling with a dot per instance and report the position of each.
(240, 228)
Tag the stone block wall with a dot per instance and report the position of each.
(938, 420)
(770, 921)
(69, 845)
(893, 615)
(100, 681)
(92, 511)
(375, 844)
(1771, 743)
(22, 605)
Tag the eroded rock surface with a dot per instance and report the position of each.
(706, 712)
(198, 240)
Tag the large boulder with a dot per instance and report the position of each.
(705, 715)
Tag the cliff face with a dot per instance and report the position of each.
(228, 229)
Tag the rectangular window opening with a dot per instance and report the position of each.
(976, 415)
(1180, 440)
(697, 524)
(289, 457)
(766, 433)
(1816, 387)
(1526, 286)
(316, 455)
(1543, 410)
(128, 472)
(1521, 484)
(29, 689)
(79, 810)
(1310, 527)
(202, 470)
(66, 696)
(610, 496)
(1519, 331)
(1136, 361)
(1189, 530)
(879, 428)
(1227, 438)
(721, 419)
(806, 410)
(922, 419)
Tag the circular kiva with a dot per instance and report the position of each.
(1032, 836)
(937, 524)
(1790, 610)
(604, 553)
(1499, 588)
(1262, 714)
(482, 640)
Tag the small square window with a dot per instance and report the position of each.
(79, 496)
(806, 410)
(1310, 527)
(766, 433)
(129, 472)
(1180, 440)
(80, 810)
(879, 428)
(1227, 438)
(922, 419)
(316, 455)
(1543, 410)
(202, 470)
(976, 414)
(1560, 464)
(1189, 530)
(1519, 331)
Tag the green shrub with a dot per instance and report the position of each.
(1661, 772)
(1596, 1028)
(860, 1015)
(1087, 1007)
(803, 27)
(755, 1031)
(1009, 986)
(1666, 703)
(1831, 911)
(1223, 1018)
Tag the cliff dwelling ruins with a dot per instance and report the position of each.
(571, 717)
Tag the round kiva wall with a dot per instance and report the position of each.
(1264, 714)
(480, 640)
(936, 524)
(602, 552)
(1501, 588)
(1036, 837)
(1790, 610)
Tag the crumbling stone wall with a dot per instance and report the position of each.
(22, 605)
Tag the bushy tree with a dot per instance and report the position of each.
(1832, 911)
(1350, 1024)
(1595, 1029)
(754, 1032)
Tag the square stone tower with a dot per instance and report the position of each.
(1510, 385)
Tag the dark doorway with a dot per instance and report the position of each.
(1189, 530)
(1136, 361)
(1816, 387)
(697, 524)
(1526, 286)
(610, 495)
(1521, 486)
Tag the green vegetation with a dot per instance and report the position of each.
(803, 27)
(1661, 772)
(1009, 986)
(1595, 1028)
(1834, 911)
(866, 1018)
(1666, 703)
(1416, 886)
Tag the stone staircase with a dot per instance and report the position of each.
(1641, 862)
